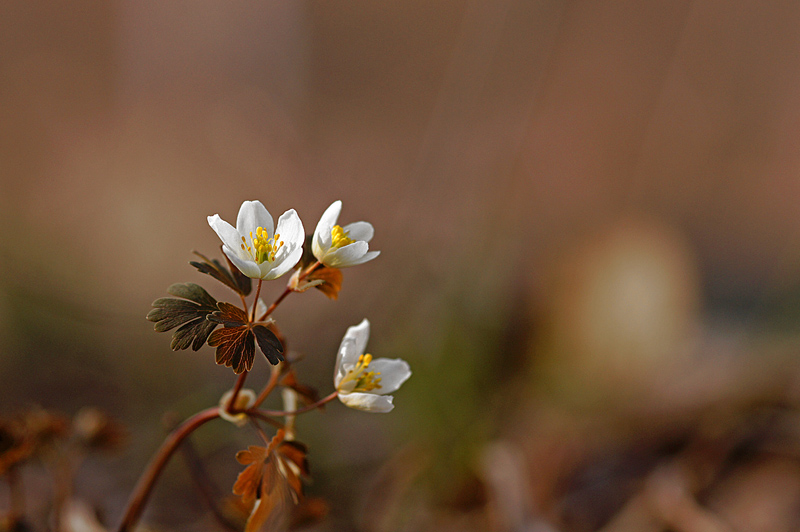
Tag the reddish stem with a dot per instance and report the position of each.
(148, 479)
(229, 408)
(255, 301)
(288, 291)
(312, 406)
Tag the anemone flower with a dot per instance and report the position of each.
(361, 381)
(338, 247)
(254, 247)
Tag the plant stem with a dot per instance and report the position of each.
(275, 304)
(255, 301)
(229, 408)
(253, 413)
(287, 292)
(273, 381)
(148, 479)
(312, 406)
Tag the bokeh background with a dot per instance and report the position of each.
(587, 213)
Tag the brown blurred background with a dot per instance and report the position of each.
(587, 218)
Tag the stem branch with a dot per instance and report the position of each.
(273, 381)
(230, 407)
(312, 406)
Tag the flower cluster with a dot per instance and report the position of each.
(257, 249)
(262, 251)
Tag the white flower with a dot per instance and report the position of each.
(338, 247)
(253, 246)
(362, 381)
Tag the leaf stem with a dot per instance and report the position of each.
(288, 291)
(306, 408)
(255, 301)
(273, 381)
(229, 408)
(148, 479)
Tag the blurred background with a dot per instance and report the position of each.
(589, 234)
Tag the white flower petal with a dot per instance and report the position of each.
(366, 258)
(393, 373)
(247, 267)
(225, 231)
(285, 264)
(360, 334)
(346, 359)
(252, 215)
(290, 229)
(368, 402)
(321, 242)
(359, 231)
(345, 256)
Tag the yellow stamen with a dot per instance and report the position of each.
(263, 247)
(360, 380)
(339, 237)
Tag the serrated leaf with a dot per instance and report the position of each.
(235, 347)
(248, 483)
(228, 315)
(230, 276)
(269, 344)
(192, 292)
(188, 314)
(270, 482)
(194, 334)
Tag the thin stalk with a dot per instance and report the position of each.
(255, 301)
(275, 304)
(288, 291)
(273, 381)
(265, 418)
(148, 479)
(229, 408)
(278, 413)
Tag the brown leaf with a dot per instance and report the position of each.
(271, 480)
(332, 278)
(229, 315)
(188, 314)
(235, 347)
(248, 483)
(269, 344)
(230, 276)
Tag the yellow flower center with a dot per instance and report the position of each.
(339, 237)
(262, 248)
(359, 379)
